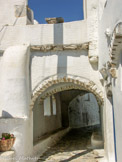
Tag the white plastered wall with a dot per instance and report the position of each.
(108, 21)
(15, 98)
(62, 63)
(112, 15)
(15, 92)
(117, 105)
(9, 16)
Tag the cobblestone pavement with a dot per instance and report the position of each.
(74, 147)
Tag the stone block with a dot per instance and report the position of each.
(54, 20)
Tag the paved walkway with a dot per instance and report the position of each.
(74, 147)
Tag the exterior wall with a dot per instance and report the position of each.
(108, 21)
(15, 98)
(15, 90)
(43, 125)
(92, 26)
(102, 4)
(117, 105)
(107, 25)
(22, 129)
(17, 86)
(13, 12)
(44, 34)
(84, 111)
(62, 63)
(109, 130)
(1, 58)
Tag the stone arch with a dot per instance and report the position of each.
(75, 83)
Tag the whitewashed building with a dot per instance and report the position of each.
(40, 62)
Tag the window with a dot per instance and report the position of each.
(47, 107)
(54, 105)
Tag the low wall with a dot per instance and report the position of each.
(43, 145)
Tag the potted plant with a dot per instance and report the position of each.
(6, 142)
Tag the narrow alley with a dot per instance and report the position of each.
(75, 147)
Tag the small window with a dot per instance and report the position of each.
(47, 107)
(54, 105)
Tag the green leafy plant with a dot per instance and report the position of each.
(7, 136)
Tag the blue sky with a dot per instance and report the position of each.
(70, 10)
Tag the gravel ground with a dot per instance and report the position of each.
(74, 147)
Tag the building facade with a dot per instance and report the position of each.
(38, 62)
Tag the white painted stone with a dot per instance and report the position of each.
(15, 92)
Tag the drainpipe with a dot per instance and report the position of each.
(114, 129)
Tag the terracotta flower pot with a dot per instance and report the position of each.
(6, 145)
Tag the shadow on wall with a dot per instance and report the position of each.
(58, 40)
(5, 114)
(84, 111)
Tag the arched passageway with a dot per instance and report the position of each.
(69, 108)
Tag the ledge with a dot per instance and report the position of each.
(46, 48)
